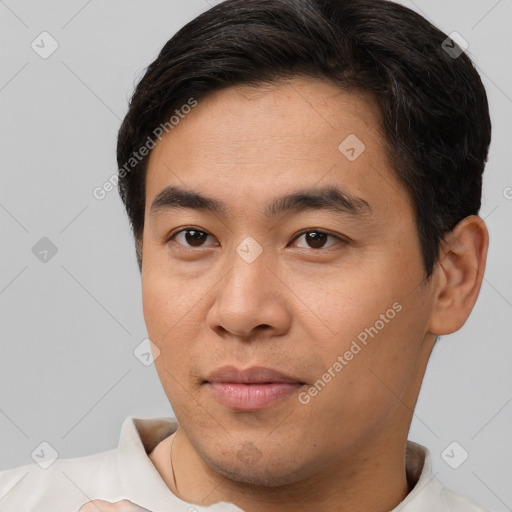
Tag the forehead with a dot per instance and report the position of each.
(252, 142)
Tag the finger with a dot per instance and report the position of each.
(128, 506)
(105, 506)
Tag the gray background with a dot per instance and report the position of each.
(69, 326)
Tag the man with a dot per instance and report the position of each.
(303, 179)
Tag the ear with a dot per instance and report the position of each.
(459, 274)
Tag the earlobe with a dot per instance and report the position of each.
(460, 271)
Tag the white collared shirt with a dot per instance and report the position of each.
(127, 473)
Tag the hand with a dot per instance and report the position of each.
(106, 506)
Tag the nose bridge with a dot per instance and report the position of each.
(247, 297)
(248, 272)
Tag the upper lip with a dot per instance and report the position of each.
(252, 375)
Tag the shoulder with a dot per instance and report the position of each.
(428, 493)
(65, 483)
(113, 475)
(456, 503)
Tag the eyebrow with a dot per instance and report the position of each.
(329, 198)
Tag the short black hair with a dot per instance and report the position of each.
(435, 114)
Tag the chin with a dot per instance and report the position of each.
(259, 471)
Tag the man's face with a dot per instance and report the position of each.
(334, 297)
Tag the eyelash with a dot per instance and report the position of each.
(297, 236)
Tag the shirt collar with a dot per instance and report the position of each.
(425, 495)
(139, 477)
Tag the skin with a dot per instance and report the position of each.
(296, 308)
(105, 506)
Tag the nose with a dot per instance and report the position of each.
(250, 299)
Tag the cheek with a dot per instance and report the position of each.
(369, 329)
(377, 368)
(171, 307)
(169, 300)
(340, 302)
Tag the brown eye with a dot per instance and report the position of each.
(190, 237)
(316, 239)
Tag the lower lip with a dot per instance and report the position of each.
(251, 397)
